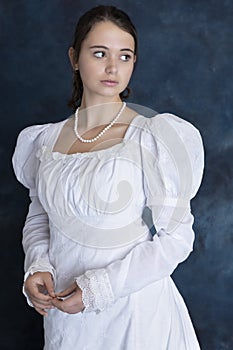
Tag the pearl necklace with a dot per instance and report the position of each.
(102, 132)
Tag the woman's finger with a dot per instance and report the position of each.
(59, 304)
(42, 306)
(72, 305)
(67, 291)
(40, 300)
(41, 311)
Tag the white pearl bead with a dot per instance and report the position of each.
(102, 132)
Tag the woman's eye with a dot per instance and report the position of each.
(99, 54)
(125, 57)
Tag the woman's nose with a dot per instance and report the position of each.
(111, 67)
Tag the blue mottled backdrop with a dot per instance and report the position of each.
(185, 67)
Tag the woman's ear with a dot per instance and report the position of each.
(71, 54)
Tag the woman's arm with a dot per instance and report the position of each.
(39, 273)
(173, 167)
(36, 239)
(146, 263)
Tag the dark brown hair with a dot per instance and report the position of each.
(86, 22)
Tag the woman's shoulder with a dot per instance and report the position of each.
(168, 121)
(29, 140)
(165, 124)
(37, 132)
(170, 127)
(176, 141)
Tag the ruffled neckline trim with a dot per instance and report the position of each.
(46, 152)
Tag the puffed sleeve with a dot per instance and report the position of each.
(25, 161)
(36, 229)
(173, 162)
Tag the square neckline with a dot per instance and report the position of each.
(57, 134)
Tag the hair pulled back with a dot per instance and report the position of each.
(86, 22)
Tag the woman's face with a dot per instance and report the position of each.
(106, 62)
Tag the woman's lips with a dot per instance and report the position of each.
(109, 83)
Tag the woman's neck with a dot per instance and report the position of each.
(92, 115)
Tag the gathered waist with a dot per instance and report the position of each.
(102, 231)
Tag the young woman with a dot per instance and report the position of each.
(93, 269)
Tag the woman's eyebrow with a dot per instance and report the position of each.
(127, 50)
(99, 47)
(106, 48)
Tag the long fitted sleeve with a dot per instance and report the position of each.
(36, 229)
(36, 239)
(172, 178)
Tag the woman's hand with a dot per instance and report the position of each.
(39, 288)
(72, 304)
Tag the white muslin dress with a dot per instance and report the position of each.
(85, 224)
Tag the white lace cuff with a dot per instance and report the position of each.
(96, 289)
(39, 266)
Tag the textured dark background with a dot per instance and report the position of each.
(185, 67)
